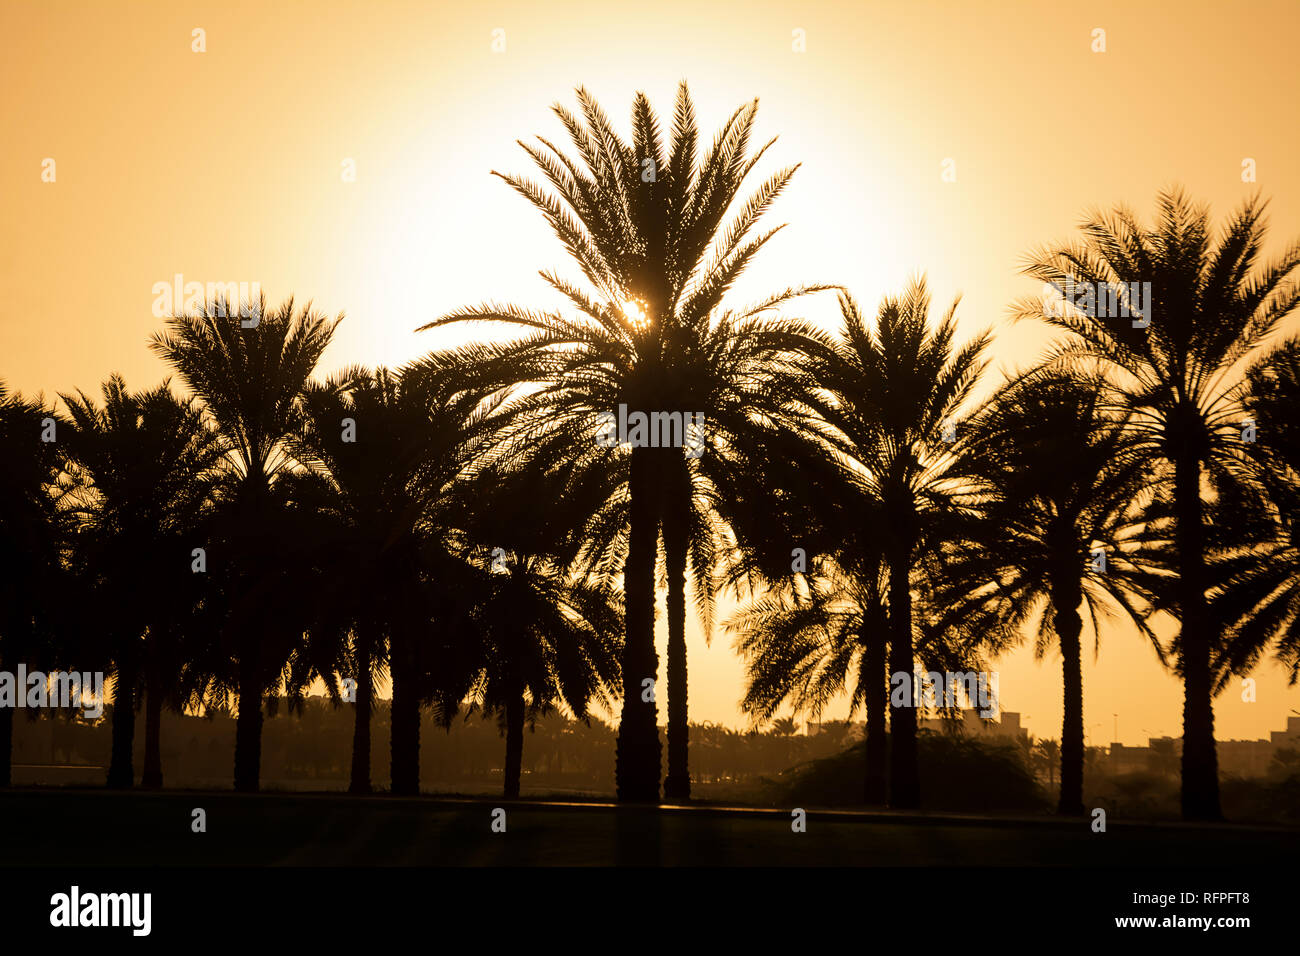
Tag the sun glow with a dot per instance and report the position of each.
(636, 312)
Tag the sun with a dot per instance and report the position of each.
(636, 312)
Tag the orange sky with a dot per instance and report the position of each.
(227, 165)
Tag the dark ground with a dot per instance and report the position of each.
(47, 827)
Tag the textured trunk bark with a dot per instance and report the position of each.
(637, 752)
(248, 725)
(152, 778)
(514, 742)
(406, 718)
(121, 768)
(874, 639)
(904, 771)
(1067, 593)
(1200, 768)
(677, 785)
(360, 782)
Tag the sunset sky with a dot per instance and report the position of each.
(227, 165)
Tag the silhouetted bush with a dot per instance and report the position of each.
(957, 773)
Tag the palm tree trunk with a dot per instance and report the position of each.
(360, 782)
(904, 772)
(637, 752)
(1067, 593)
(876, 676)
(514, 742)
(248, 725)
(1200, 770)
(121, 769)
(677, 786)
(153, 705)
(405, 746)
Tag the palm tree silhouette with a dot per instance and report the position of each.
(1050, 751)
(32, 536)
(1175, 365)
(889, 396)
(547, 627)
(808, 649)
(249, 381)
(385, 450)
(547, 638)
(140, 466)
(646, 227)
(1059, 479)
(818, 623)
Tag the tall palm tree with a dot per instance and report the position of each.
(31, 536)
(140, 464)
(885, 408)
(1175, 364)
(738, 376)
(646, 227)
(249, 381)
(1063, 527)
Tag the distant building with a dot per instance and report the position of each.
(1289, 737)
(1121, 759)
(969, 723)
(1240, 758)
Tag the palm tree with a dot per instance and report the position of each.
(781, 488)
(140, 465)
(548, 638)
(547, 625)
(885, 411)
(646, 227)
(1050, 752)
(31, 535)
(1175, 364)
(386, 450)
(1063, 524)
(810, 648)
(249, 381)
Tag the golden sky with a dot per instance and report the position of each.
(227, 165)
